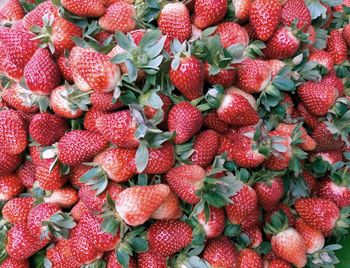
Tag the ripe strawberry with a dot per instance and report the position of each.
(10, 12)
(60, 255)
(328, 156)
(275, 67)
(13, 132)
(346, 34)
(76, 172)
(50, 179)
(79, 210)
(317, 97)
(112, 261)
(269, 193)
(242, 8)
(205, 148)
(169, 210)
(186, 120)
(65, 68)
(13, 263)
(207, 13)
(41, 73)
(336, 46)
(337, 193)
(321, 214)
(296, 10)
(118, 17)
(277, 263)
(119, 128)
(137, 204)
(314, 239)
(149, 259)
(7, 67)
(80, 146)
(311, 120)
(150, 112)
(104, 102)
(332, 79)
(65, 197)
(26, 173)
(221, 252)
(225, 77)
(216, 223)
(249, 258)
(189, 77)
(10, 186)
(90, 119)
(160, 159)
(286, 210)
(282, 45)
(232, 33)
(255, 236)
(168, 237)
(325, 140)
(311, 181)
(47, 129)
(84, 8)
(211, 120)
(35, 17)
(253, 75)
(265, 15)
(323, 58)
(9, 162)
(17, 209)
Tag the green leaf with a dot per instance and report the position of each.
(122, 41)
(123, 258)
(149, 38)
(139, 244)
(284, 83)
(316, 8)
(141, 158)
(209, 31)
(155, 50)
(332, 3)
(119, 58)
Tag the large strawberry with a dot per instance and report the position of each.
(336, 46)
(314, 239)
(296, 10)
(35, 17)
(84, 8)
(11, 12)
(338, 193)
(232, 33)
(17, 209)
(215, 225)
(9, 162)
(207, 13)
(269, 193)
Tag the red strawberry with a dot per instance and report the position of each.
(325, 140)
(17, 209)
(149, 259)
(7, 67)
(323, 58)
(13, 263)
(207, 13)
(168, 237)
(9, 162)
(35, 17)
(186, 120)
(211, 120)
(275, 67)
(269, 193)
(84, 8)
(65, 69)
(65, 197)
(329, 156)
(205, 148)
(76, 172)
(80, 146)
(311, 181)
(189, 77)
(286, 210)
(112, 261)
(296, 10)
(314, 239)
(255, 236)
(41, 73)
(216, 223)
(26, 173)
(310, 119)
(221, 252)
(332, 79)
(137, 204)
(104, 102)
(169, 210)
(232, 33)
(150, 112)
(249, 258)
(160, 159)
(118, 17)
(338, 194)
(10, 12)
(10, 186)
(13, 132)
(346, 34)
(277, 263)
(47, 129)
(336, 46)
(90, 119)
(50, 179)
(317, 97)
(242, 8)
(265, 15)
(60, 255)
(79, 210)
(225, 77)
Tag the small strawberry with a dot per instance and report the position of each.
(161, 159)
(339, 194)
(65, 69)
(211, 120)
(60, 254)
(104, 102)
(207, 13)
(205, 148)
(296, 10)
(112, 261)
(249, 258)
(64, 197)
(149, 259)
(264, 16)
(314, 239)
(50, 176)
(17, 209)
(169, 210)
(323, 58)
(9, 162)
(35, 17)
(10, 12)
(242, 8)
(168, 237)
(26, 173)
(232, 33)
(336, 46)
(215, 225)
(84, 8)
(269, 193)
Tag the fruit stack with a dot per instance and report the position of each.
(155, 133)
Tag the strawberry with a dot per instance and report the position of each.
(9, 162)
(325, 140)
(26, 173)
(321, 214)
(65, 69)
(104, 102)
(331, 157)
(346, 34)
(215, 225)
(337, 193)
(79, 210)
(282, 45)
(232, 33)
(50, 179)
(7, 67)
(65, 197)
(296, 10)
(186, 120)
(317, 97)
(211, 120)
(35, 17)
(118, 17)
(189, 77)
(286, 210)
(60, 255)
(150, 112)
(277, 263)
(225, 77)
(13, 132)
(119, 128)
(80, 146)
(149, 259)
(90, 119)
(169, 210)
(207, 13)
(47, 129)
(255, 236)
(10, 12)
(205, 148)
(336, 46)
(332, 79)
(112, 261)
(168, 237)
(253, 75)
(311, 120)
(13, 263)
(41, 73)
(10, 186)
(323, 58)
(161, 160)
(275, 67)
(221, 252)
(242, 8)
(269, 193)
(264, 16)
(17, 209)
(311, 181)
(137, 204)
(76, 172)
(314, 239)
(249, 258)
(84, 8)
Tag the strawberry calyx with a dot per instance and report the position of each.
(254, 49)
(341, 19)
(96, 178)
(324, 257)
(44, 34)
(58, 225)
(147, 11)
(342, 225)
(4, 228)
(76, 98)
(33, 99)
(278, 223)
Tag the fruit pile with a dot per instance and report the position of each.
(155, 133)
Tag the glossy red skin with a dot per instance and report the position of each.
(9, 162)
(85, 8)
(49, 180)
(248, 258)
(323, 58)
(324, 139)
(26, 173)
(35, 16)
(225, 77)
(170, 209)
(336, 46)
(112, 261)
(269, 193)
(215, 224)
(311, 120)
(338, 194)
(65, 68)
(13, 263)
(17, 209)
(206, 147)
(118, 17)
(79, 210)
(211, 120)
(90, 119)
(296, 10)
(149, 259)
(12, 11)
(207, 13)
(104, 102)
(161, 160)
(232, 33)
(314, 239)
(65, 197)
(332, 79)
(311, 181)
(60, 254)
(10, 186)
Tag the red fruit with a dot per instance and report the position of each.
(76, 172)
(65, 68)
(104, 102)
(186, 120)
(319, 213)
(275, 67)
(169, 210)
(323, 58)
(41, 73)
(346, 34)
(332, 79)
(211, 120)
(336, 46)
(13, 263)
(293, 10)
(284, 208)
(311, 181)
(225, 77)
(189, 77)
(47, 129)
(9, 162)
(265, 15)
(17, 209)
(269, 193)
(282, 45)
(118, 17)
(150, 112)
(215, 224)
(311, 120)
(184, 180)
(79, 210)
(317, 97)
(220, 252)
(13, 132)
(119, 128)
(65, 197)
(26, 173)
(149, 259)
(10, 186)
(242, 8)
(10, 12)
(232, 33)
(35, 17)
(168, 237)
(277, 263)
(161, 160)
(60, 255)
(314, 239)
(248, 258)
(338, 194)
(325, 140)
(137, 204)
(207, 13)
(255, 236)
(49, 180)
(84, 8)
(80, 146)
(90, 119)
(253, 75)
(112, 261)
(205, 148)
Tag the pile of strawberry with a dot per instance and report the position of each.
(154, 133)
